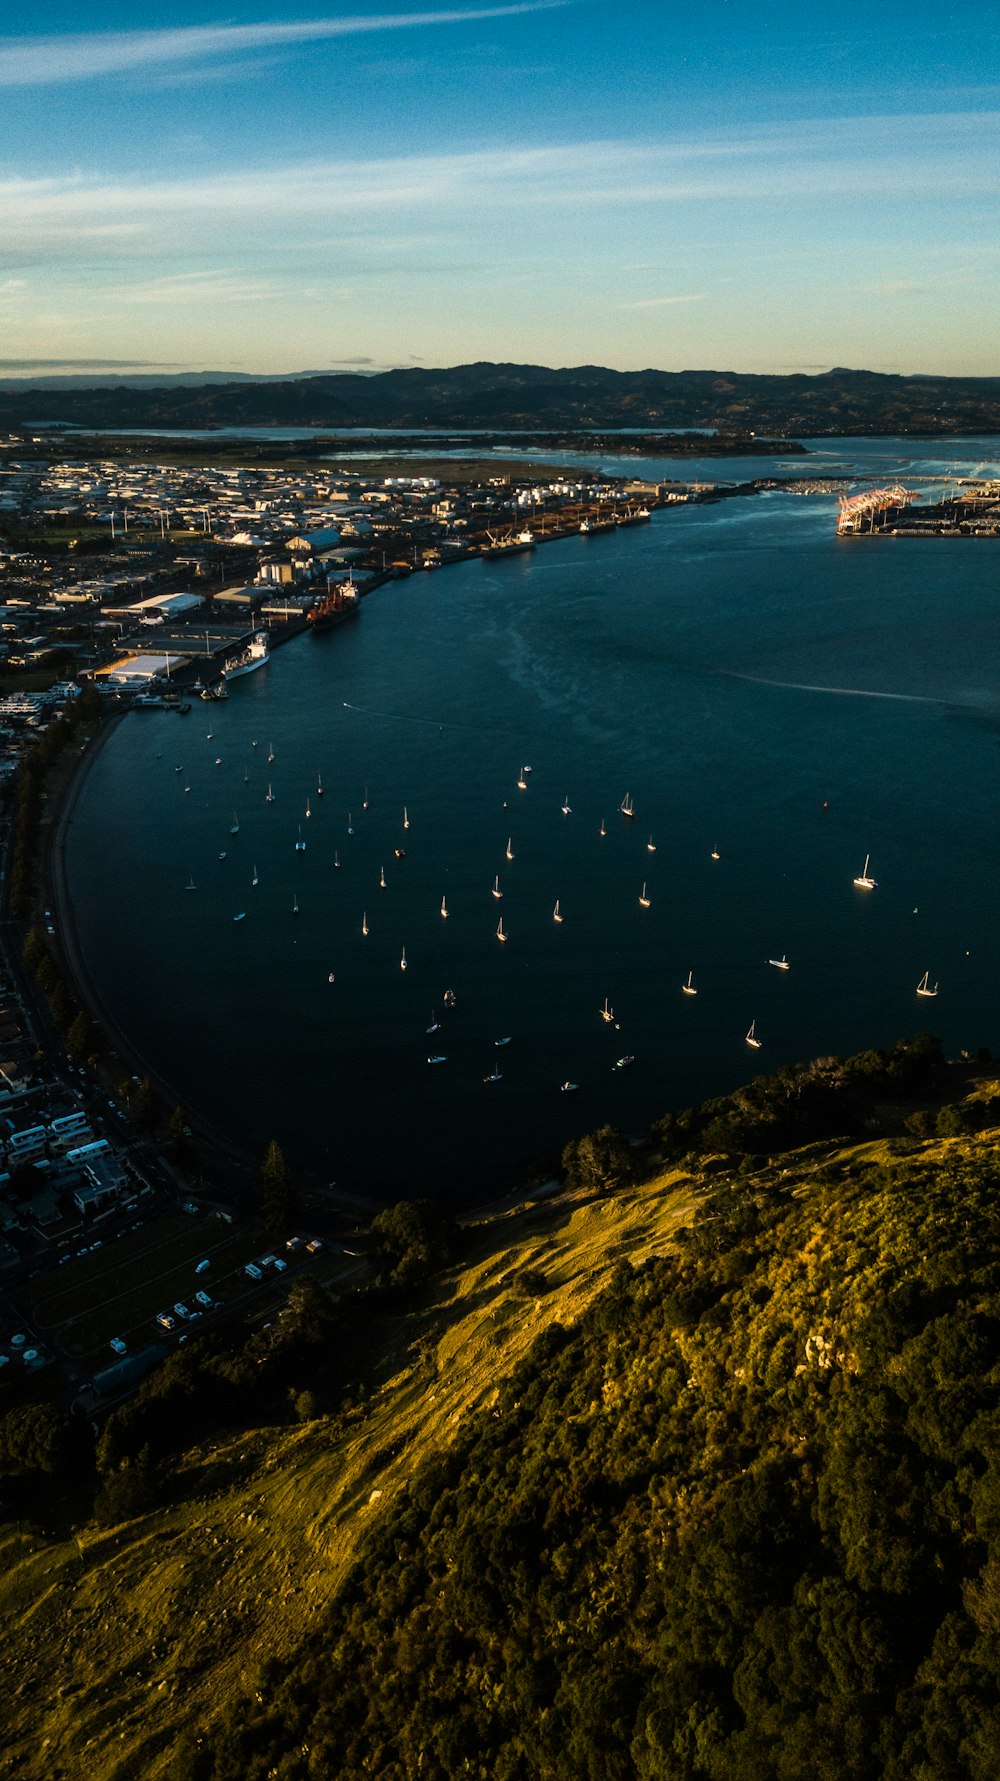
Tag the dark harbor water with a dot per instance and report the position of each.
(763, 690)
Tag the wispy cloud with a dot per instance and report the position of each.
(41, 61)
(664, 302)
(87, 365)
(828, 162)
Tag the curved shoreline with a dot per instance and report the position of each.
(225, 1153)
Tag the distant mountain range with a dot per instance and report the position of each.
(525, 396)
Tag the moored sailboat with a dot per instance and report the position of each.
(751, 1036)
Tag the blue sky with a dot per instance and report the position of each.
(738, 185)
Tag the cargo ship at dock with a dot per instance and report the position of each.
(510, 546)
(257, 654)
(336, 605)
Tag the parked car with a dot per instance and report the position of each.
(204, 1300)
(165, 1321)
(203, 1267)
(253, 1271)
(119, 1345)
(181, 1310)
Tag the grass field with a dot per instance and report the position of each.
(119, 1291)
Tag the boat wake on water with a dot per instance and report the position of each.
(409, 717)
(842, 692)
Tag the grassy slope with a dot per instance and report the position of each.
(119, 1638)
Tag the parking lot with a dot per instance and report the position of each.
(119, 1288)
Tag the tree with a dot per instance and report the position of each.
(275, 1190)
(33, 950)
(142, 1104)
(601, 1160)
(37, 1438)
(409, 1240)
(80, 1039)
(61, 1007)
(179, 1135)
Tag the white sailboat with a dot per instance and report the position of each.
(402, 962)
(364, 924)
(350, 823)
(444, 908)
(270, 795)
(716, 855)
(650, 845)
(190, 885)
(601, 831)
(510, 850)
(781, 964)
(364, 801)
(270, 753)
(406, 820)
(295, 903)
(556, 914)
(494, 1076)
(300, 845)
(319, 785)
(308, 808)
(924, 986)
(497, 892)
(235, 829)
(569, 1088)
(863, 880)
(625, 806)
(381, 878)
(501, 936)
(607, 1012)
(522, 784)
(567, 809)
(688, 988)
(254, 880)
(435, 1026)
(644, 899)
(751, 1036)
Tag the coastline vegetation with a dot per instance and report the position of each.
(684, 1471)
(34, 780)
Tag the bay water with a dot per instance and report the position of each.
(765, 691)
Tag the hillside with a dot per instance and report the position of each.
(740, 1521)
(695, 1477)
(535, 396)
